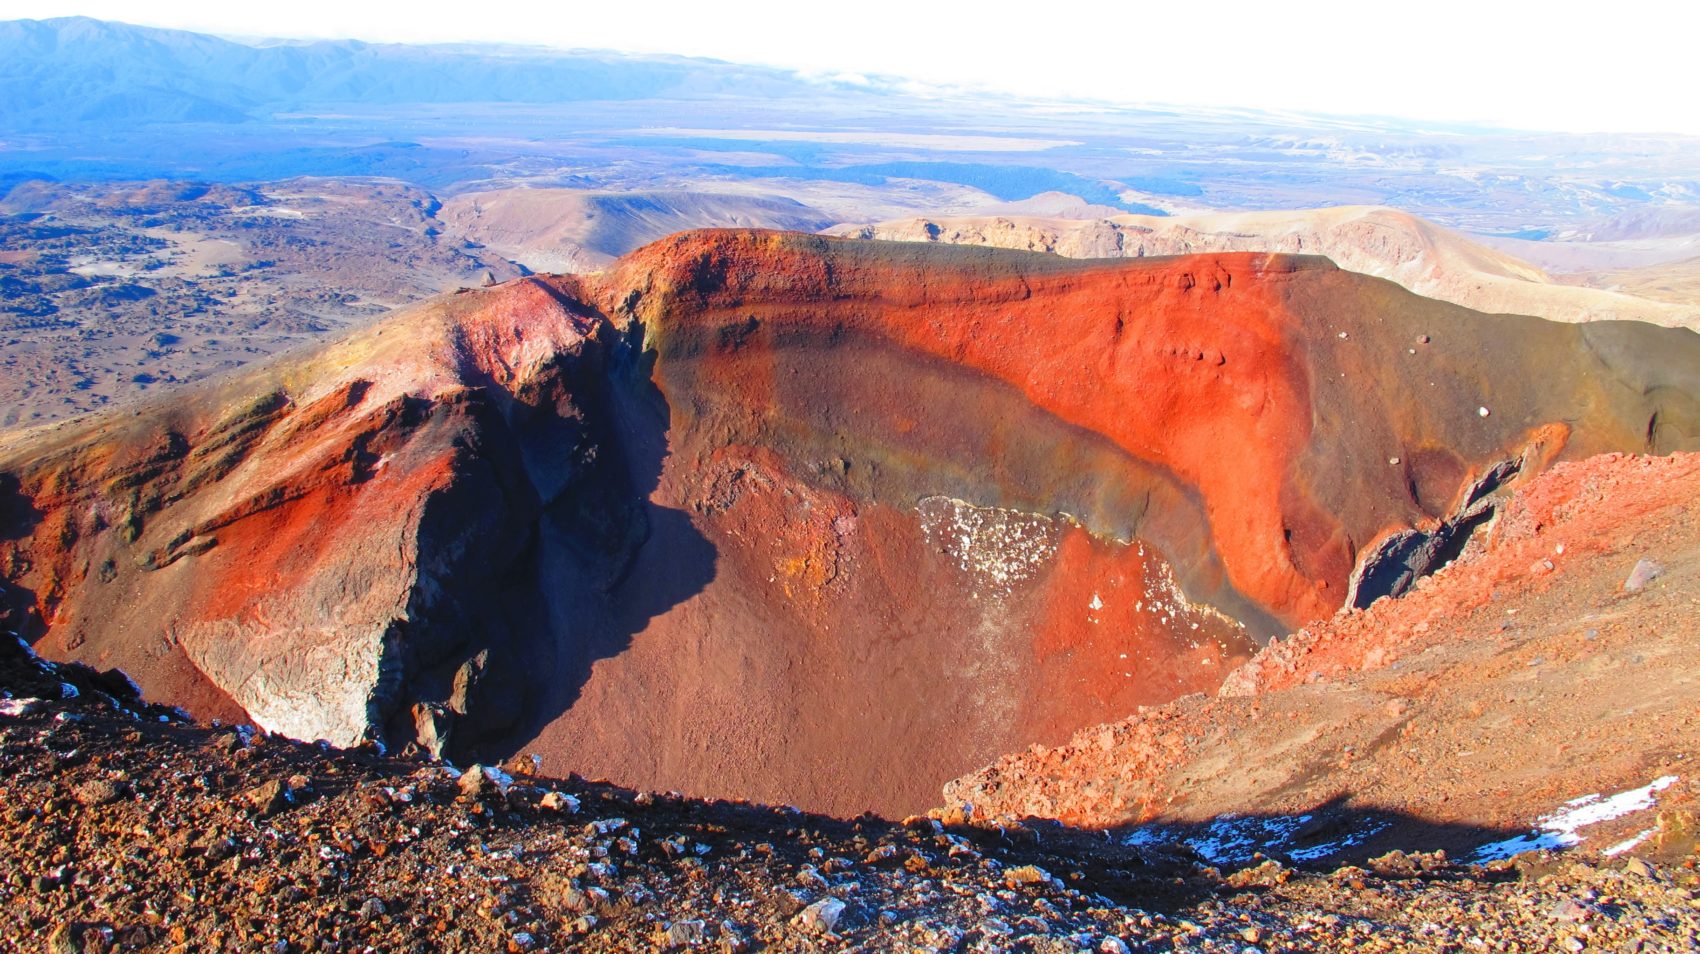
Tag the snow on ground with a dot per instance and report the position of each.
(1235, 839)
(1562, 828)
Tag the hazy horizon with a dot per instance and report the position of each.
(1457, 64)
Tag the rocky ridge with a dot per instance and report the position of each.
(1388, 243)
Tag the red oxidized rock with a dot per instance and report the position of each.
(777, 516)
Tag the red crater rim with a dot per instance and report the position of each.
(814, 521)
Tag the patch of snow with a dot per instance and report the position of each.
(1561, 829)
(1234, 839)
(1627, 843)
(1141, 837)
(1357, 837)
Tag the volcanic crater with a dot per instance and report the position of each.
(796, 519)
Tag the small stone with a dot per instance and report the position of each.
(268, 798)
(1251, 935)
(18, 708)
(1641, 869)
(957, 815)
(558, 802)
(1483, 412)
(373, 908)
(78, 937)
(99, 792)
(883, 853)
(481, 780)
(822, 916)
(433, 724)
(687, 933)
(473, 783)
(1112, 945)
(582, 901)
(1027, 874)
(1570, 909)
(1266, 875)
(1422, 339)
(1645, 571)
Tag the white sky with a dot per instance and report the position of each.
(1620, 66)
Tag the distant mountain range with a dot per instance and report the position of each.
(85, 100)
(76, 70)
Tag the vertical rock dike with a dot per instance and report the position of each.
(806, 520)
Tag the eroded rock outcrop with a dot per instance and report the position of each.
(786, 517)
(308, 541)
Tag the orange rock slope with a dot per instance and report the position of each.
(1551, 663)
(809, 520)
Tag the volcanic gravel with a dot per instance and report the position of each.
(127, 827)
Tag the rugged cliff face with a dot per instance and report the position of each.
(799, 519)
